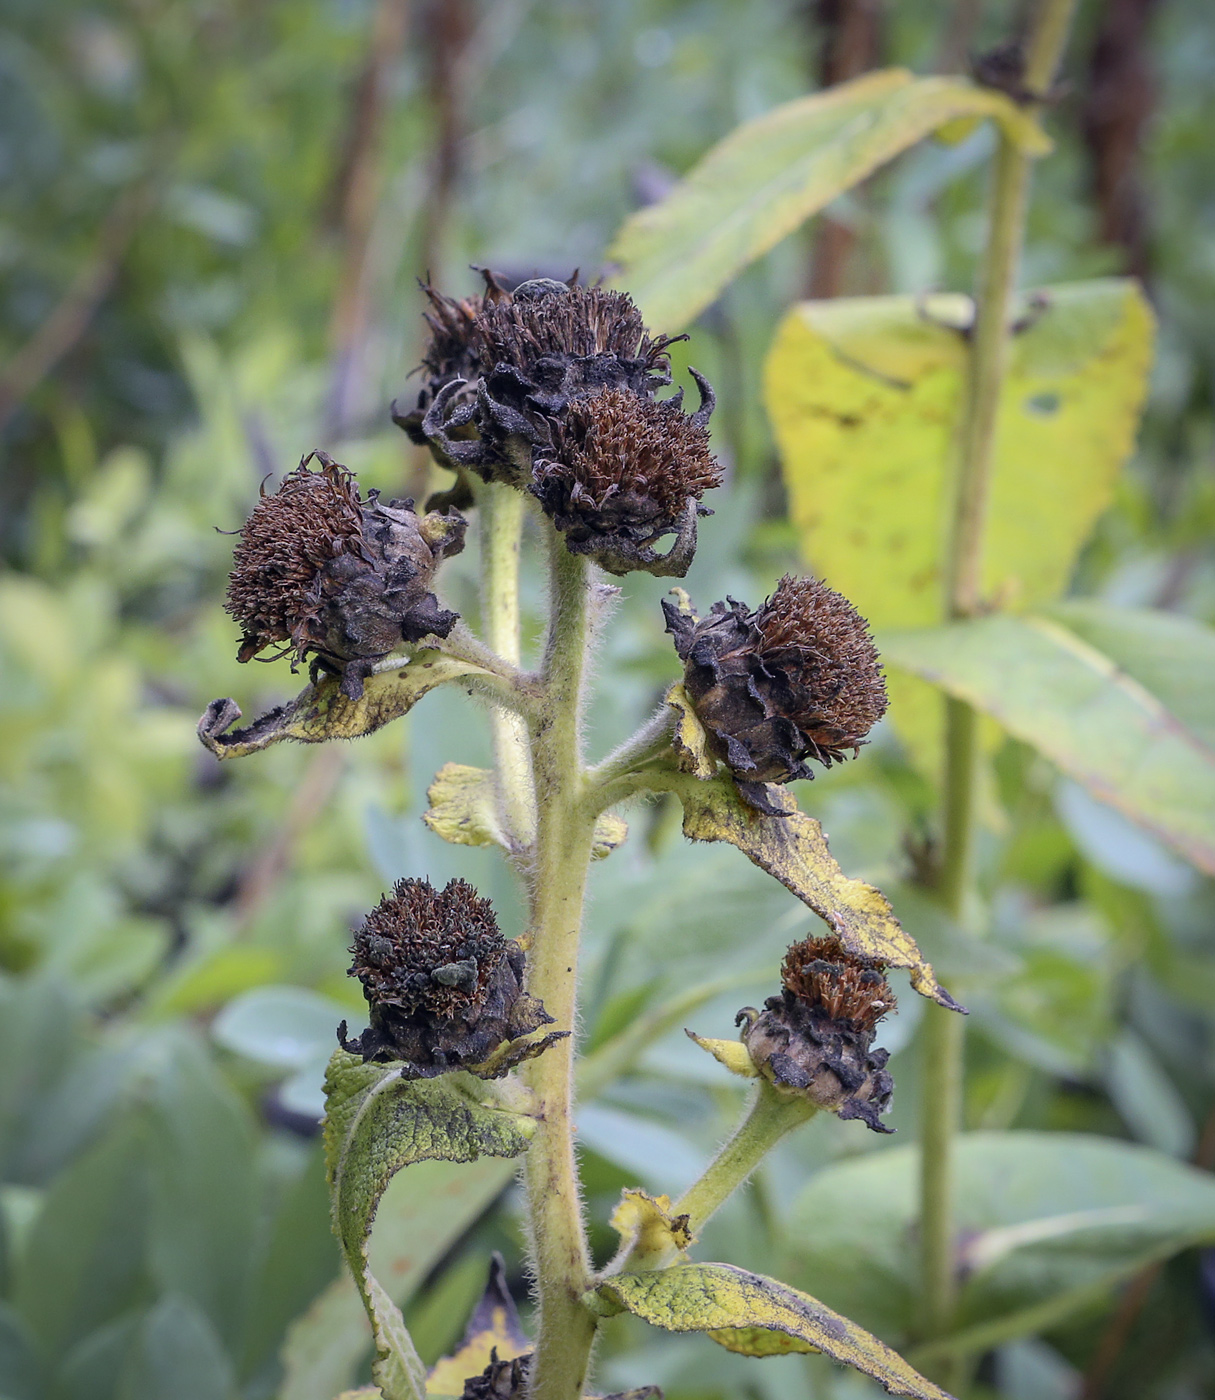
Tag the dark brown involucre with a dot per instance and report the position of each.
(621, 472)
(816, 1037)
(318, 570)
(443, 986)
(799, 678)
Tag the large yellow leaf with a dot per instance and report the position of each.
(864, 395)
(773, 173)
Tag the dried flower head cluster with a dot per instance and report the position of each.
(444, 987)
(550, 388)
(317, 570)
(799, 678)
(815, 1038)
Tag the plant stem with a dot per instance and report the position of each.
(564, 832)
(943, 1034)
(651, 740)
(501, 529)
(769, 1116)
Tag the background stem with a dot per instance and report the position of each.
(943, 1034)
(564, 832)
(501, 530)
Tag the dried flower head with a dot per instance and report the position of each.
(799, 678)
(444, 987)
(815, 1038)
(622, 471)
(318, 570)
(540, 348)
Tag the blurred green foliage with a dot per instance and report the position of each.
(173, 935)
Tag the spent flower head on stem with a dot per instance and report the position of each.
(798, 678)
(815, 1037)
(320, 571)
(444, 987)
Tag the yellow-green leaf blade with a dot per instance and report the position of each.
(1056, 692)
(792, 848)
(376, 1122)
(321, 712)
(734, 1306)
(773, 173)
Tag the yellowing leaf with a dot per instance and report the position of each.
(864, 396)
(321, 712)
(773, 173)
(792, 847)
(1056, 692)
(376, 1122)
(463, 810)
(690, 741)
(493, 1327)
(645, 1224)
(733, 1054)
(758, 1316)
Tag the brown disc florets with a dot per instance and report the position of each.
(815, 1038)
(799, 678)
(622, 471)
(444, 987)
(318, 570)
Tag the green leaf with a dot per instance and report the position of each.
(83, 1263)
(321, 712)
(1170, 655)
(376, 1123)
(1047, 1220)
(792, 848)
(177, 1356)
(205, 1204)
(864, 396)
(423, 1211)
(758, 1316)
(773, 173)
(464, 810)
(1055, 692)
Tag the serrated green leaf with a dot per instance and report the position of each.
(1057, 693)
(773, 173)
(376, 1123)
(321, 712)
(864, 396)
(792, 848)
(739, 1310)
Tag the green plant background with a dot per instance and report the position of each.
(173, 936)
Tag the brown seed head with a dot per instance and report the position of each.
(425, 950)
(544, 318)
(288, 539)
(823, 645)
(620, 460)
(821, 972)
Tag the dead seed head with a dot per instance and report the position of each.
(291, 535)
(821, 972)
(621, 460)
(425, 950)
(822, 644)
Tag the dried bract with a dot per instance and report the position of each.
(799, 678)
(319, 571)
(622, 471)
(815, 1038)
(444, 987)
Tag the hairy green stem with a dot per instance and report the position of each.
(501, 530)
(943, 1039)
(650, 741)
(564, 831)
(769, 1116)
